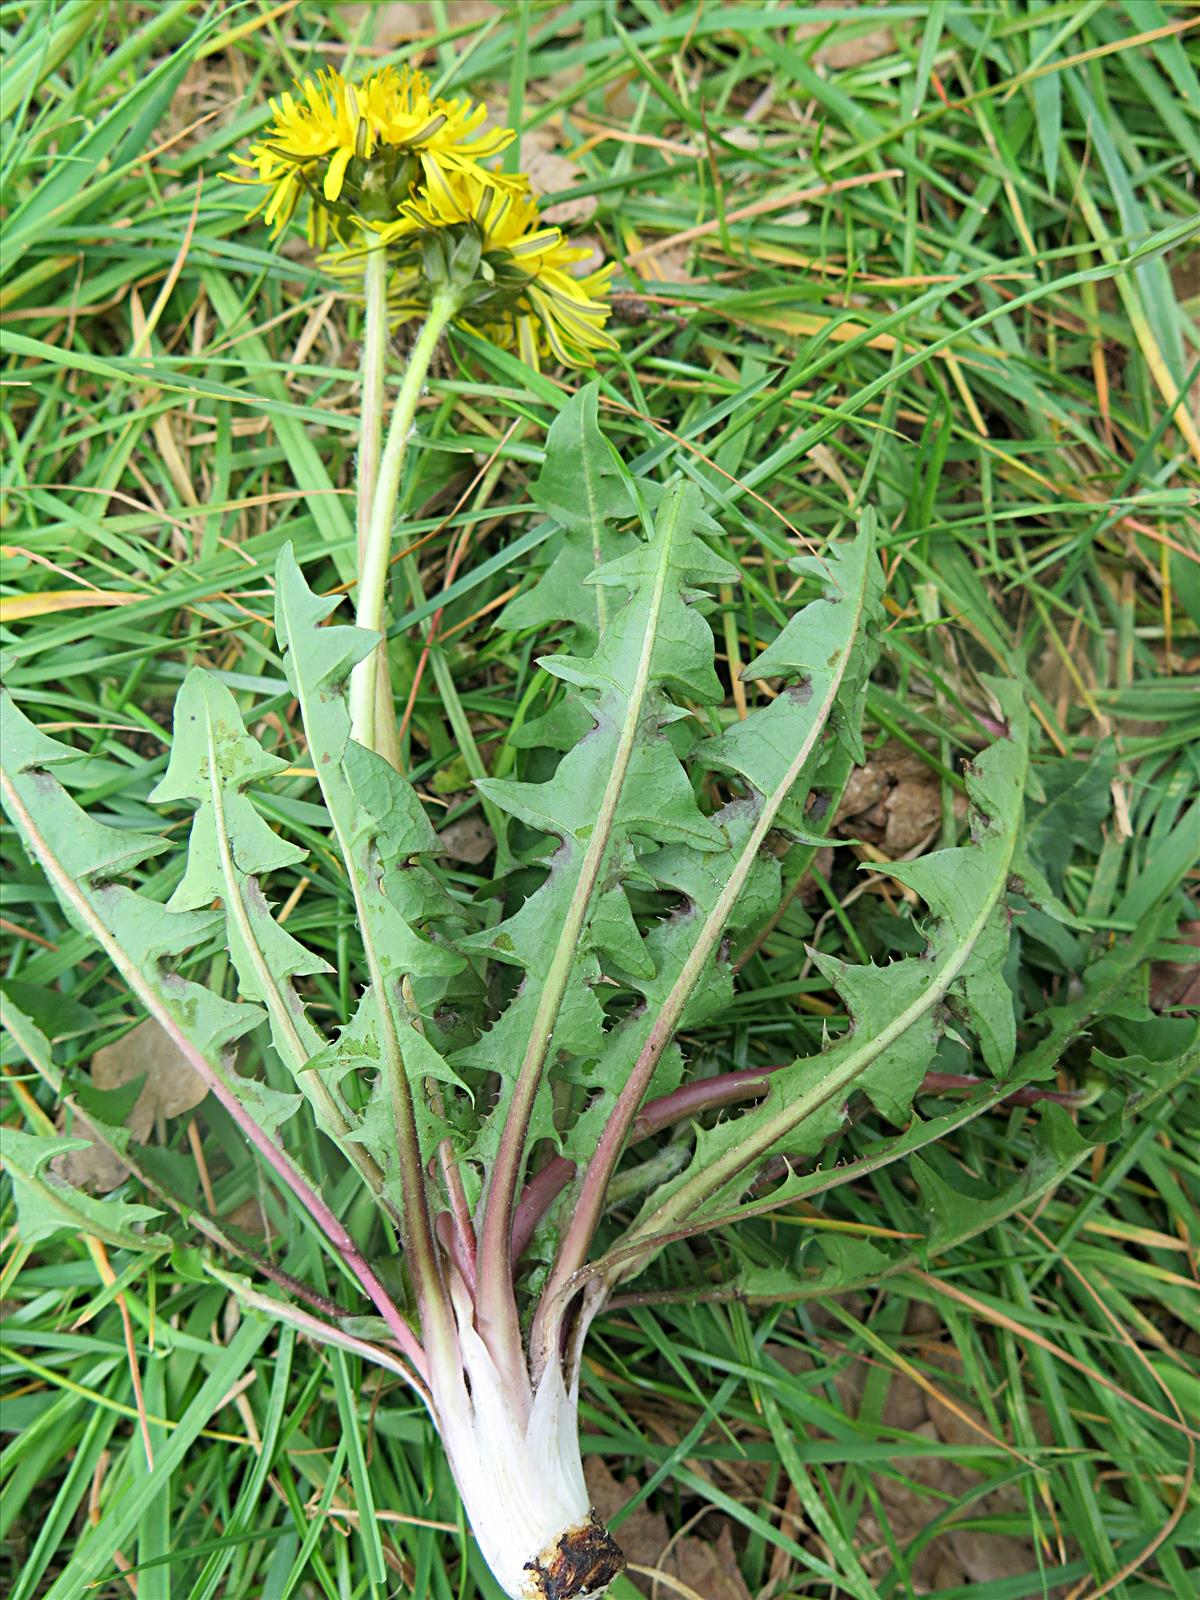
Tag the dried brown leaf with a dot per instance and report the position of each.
(708, 1567)
(170, 1088)
(96, 1170)
(551, 171)
(469, 839)
(838, 51)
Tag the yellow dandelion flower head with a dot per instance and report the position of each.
(358, 150)
(522, 293)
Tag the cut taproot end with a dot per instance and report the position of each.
(580, 1563)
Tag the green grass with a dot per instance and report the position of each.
(982, 321)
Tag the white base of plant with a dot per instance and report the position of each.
(517, 1464)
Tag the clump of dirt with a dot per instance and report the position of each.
(705, 1565)
(893, 802)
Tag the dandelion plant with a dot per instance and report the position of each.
(498, 1079)
(473, 1149)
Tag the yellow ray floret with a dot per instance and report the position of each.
(524, 295)
(358, 149)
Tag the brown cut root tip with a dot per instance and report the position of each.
(579, 1563)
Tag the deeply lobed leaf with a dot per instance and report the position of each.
(655, 640)
(382, 832)
(896, 1012)
(47, 1204)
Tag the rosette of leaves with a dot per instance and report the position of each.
(496, 1076)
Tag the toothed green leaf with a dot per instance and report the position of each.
(25, 745)
(269, 1106)
(655, 640)
(382, 831)
(358, 1047)
(897, 1012)
(87, 848)
(213, 762)
(1077, 799)
(583, 486)
(47, 1204)
(949, 1207)
(829, 642)
(142, 937)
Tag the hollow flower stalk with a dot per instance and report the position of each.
(399, 191)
